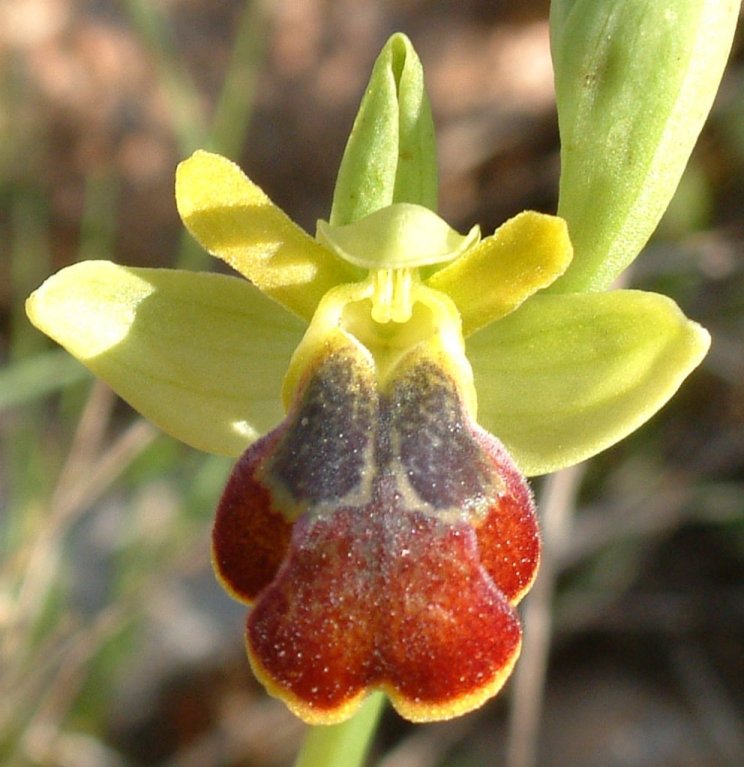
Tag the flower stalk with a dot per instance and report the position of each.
(345, 744)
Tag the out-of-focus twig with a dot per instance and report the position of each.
(31, 572)
(557, 504)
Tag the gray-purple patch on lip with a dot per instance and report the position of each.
(418, 427)
(322, 456)
(444, 464)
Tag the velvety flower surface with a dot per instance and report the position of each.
(381, 533)
(389, 536)
(378, 520)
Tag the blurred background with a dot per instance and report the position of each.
(117, 648)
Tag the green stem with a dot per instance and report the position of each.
(345, 744)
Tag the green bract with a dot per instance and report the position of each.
(557, 377)
(635, 80)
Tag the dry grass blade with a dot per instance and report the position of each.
(558, 503)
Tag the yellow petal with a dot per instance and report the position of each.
(492, 279)
(234, 220)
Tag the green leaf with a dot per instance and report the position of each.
(566, 376)
(201, 355)
(391, 153)
(30, 378)
(635, 80)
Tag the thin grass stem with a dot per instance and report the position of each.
(558, 503)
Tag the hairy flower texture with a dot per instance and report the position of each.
(381, 532)
(390, 535)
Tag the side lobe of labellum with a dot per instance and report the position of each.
(405, 559)
(451, 461)
(508, 536)
(317, 452)
(251, 536)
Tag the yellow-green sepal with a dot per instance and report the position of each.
(566, 376)
(391, 152)
(200, 355)
(635, 81)
(234, 220)
(494, 277)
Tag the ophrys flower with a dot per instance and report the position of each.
(382, 534)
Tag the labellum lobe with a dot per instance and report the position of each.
(383, 539)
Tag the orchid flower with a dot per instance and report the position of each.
(387, 386)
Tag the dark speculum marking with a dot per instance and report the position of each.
(444, 464)
(419, 426)
(322, 456)
(378, 583)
